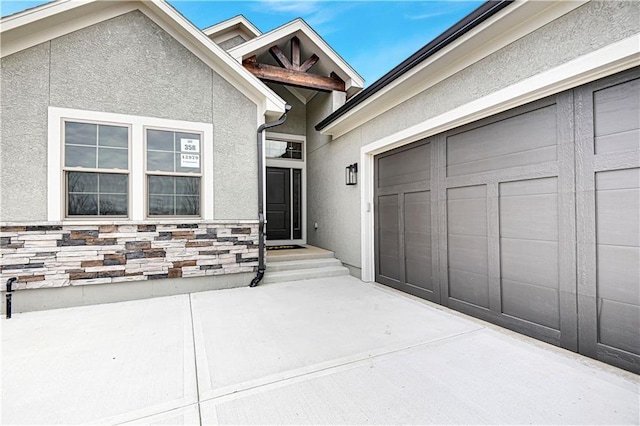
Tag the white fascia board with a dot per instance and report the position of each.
(236, 20)
(507, 26)
(273, 37)
(57, 20)
(31, 15)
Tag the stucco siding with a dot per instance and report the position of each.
(235, 155)
(328, 196)
(587, 28)
(129, 65)
(23, 148)
(333, 205)
(296, 123)
(317, 108)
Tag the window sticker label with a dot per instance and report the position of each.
(190, 160)
(189, 145)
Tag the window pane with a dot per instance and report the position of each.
(113, 184)
(161, 205)
(113, 158)
(159, 140)
(187, 186)
(113, 205)
(80, 156)
(82, 182)
(83, 204)
(80, 133)
(161, 185)
(187, 205)
(160, 161)
(115, 136)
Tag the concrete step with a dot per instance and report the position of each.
(304, 274)
(291, 265)
(292, 255)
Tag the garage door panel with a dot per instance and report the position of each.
(616, 110)
(529, 209)
(618, 207)
(506, 161)
(388, 248)
(618, 258)
(417, 238)
(468, 253)
(619, 273)
(418, 273)
(619, 325)
(469, 287)
(618, 142)
(407, 166)
(515, 141)
(531, 302)
(467, 210)
(531, 262)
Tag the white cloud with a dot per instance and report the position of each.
(288, 7)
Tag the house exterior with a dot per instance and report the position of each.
(498, 166)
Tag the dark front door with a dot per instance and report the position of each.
(278, 204)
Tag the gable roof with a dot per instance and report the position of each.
(38, 25)
(238, 25)
(310, 43)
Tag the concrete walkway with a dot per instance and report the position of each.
(324, 351)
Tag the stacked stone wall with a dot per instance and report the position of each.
(62, 255)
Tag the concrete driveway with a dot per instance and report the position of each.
(324, 351)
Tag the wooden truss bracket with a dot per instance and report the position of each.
(292, 72)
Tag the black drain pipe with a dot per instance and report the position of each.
(10, 282)
(261, 266)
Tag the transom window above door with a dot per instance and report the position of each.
(283, 149)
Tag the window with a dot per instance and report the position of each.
(283, 149)
(119, 166)
(96, 167)
(173, 173)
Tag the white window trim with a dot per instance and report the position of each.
(55, 174)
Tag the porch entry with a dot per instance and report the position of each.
(284, 203)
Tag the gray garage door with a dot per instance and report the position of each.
(529, 219)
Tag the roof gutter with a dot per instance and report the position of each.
(466, 24)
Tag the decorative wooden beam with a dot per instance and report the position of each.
(294, 77)
(278, 55)
(309, 63)
(295, 53)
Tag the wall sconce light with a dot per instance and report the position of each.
(351, 174)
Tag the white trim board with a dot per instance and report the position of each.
(609, 60)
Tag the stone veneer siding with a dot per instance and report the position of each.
(63, 255)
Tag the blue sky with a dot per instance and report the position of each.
(372, 36)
